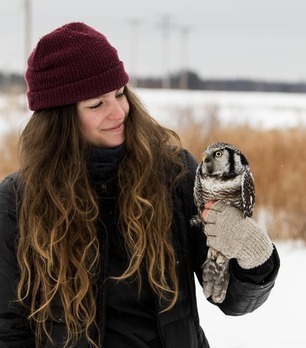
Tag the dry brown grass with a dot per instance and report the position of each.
(9, 160)
(277, 159)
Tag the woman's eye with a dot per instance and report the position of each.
(94, 107)
(120, 95)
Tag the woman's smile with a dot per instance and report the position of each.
(118, 127)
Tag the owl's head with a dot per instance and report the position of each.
(222, 159)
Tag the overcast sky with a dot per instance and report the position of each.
(262, 39)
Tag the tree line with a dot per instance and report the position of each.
(193, 81)
(186, 80)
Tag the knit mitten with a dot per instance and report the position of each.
(237, 237)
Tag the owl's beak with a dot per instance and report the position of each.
(204, 157)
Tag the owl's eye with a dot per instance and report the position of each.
(218, 153)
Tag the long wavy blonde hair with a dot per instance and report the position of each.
(58, 249)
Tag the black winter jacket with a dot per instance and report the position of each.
(179, 327)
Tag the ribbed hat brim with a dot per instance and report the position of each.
(79, 90)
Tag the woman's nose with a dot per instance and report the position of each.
(116, 110)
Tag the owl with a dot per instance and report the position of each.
(224, 174)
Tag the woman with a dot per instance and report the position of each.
(97, 249)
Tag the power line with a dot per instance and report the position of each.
(165, 30)
(184, 35)
(135, 23)
(28, 28)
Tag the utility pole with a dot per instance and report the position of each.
(135, 23)
(28, 28)
(27, 37)
(184, 32)
(165, 29)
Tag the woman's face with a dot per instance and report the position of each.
(103, 118)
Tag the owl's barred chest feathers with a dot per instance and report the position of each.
(228, 191)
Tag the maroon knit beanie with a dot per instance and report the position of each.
(71, 64)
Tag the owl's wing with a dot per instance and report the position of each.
(198, 191)
(248, 193)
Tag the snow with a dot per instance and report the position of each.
(13, 113)
(260, 110)
(278, 323)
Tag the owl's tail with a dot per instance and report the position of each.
(215, 276)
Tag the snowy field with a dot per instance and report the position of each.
(13, 113)
(280, 322)
(260, 110)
